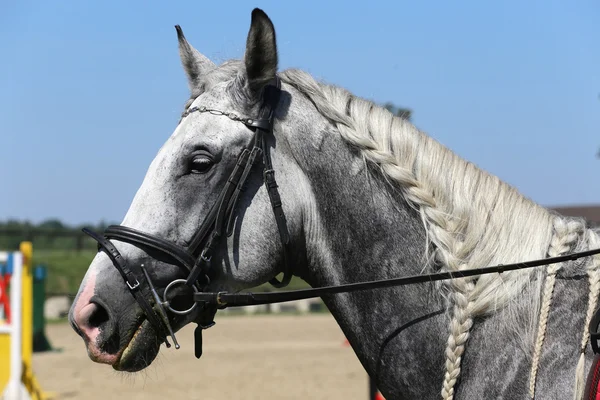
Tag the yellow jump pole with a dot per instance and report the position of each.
(28, 378)
(27, 292)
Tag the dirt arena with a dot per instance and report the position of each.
(245, 357)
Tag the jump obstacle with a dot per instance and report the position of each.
(17, 380)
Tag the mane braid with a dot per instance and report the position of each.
(566, 234)
(471, 218)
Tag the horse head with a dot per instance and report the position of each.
(202, 194)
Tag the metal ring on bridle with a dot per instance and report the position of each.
(166, 301)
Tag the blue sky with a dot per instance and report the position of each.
(91, 90)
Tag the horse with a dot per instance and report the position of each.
(362, 195)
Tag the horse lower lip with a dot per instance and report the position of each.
(131, 343)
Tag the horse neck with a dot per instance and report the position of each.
(357, 229)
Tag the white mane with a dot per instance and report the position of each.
(472, 219)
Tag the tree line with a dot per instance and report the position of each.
(51, 234)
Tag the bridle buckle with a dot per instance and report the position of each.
(134, 286)
(204, 257)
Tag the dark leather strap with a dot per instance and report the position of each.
(137, 238)
(132, 283)
(284, 236)
(220, 218)
(209, 222)
(272, 95)
(225, 299)
(252, 159)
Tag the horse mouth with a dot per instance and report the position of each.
(140, 351)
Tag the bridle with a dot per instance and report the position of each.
(195, 259)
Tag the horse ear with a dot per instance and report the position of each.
(261, 52)
(194, 64)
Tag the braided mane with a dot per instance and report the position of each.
(472, 219)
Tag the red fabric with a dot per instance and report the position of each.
(4, 299)
(592, 387)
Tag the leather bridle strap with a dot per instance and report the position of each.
(272, 189)
(284, 236)
(225, 299)
(132, 283)
(221, 217)
(134, 237)
(216, 220)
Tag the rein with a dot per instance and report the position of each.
(225, 299)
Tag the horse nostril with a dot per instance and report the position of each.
(95, 323)
(98, 316)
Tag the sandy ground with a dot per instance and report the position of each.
(245, 357)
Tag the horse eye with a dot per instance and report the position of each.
(201, 164)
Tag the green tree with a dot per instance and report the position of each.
(53, 224)
(401, 112)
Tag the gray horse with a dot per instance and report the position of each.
(367, 196)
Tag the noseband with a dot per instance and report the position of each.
(196, 258)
